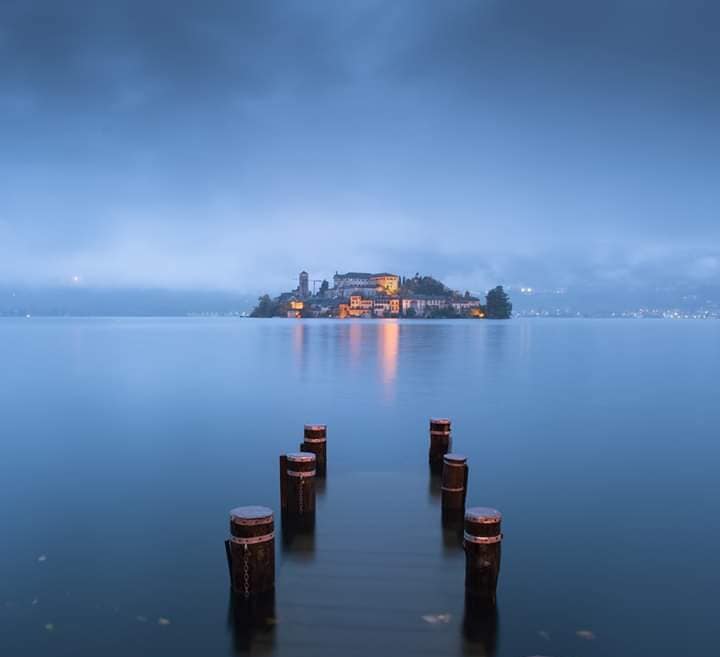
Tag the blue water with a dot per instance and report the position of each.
(124, 443)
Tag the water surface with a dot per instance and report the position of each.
(124, 442)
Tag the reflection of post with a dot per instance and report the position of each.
(298, 343)
(355, 337)
(389, 334)
(252, 624)
(480, 629)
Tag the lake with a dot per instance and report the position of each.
(125, 442)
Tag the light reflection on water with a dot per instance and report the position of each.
(125, 443)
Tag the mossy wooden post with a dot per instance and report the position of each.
(301, 484)
(315, 441)
(251, 550)
(482, 540)
(454, 482)
(440, 442)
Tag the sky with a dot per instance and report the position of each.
(226, 145)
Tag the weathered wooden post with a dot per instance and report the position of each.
(440, 441)
(315, 441)
(301, 484)
(482, 539)
(251, 550)
(454, 482)
(283, 482)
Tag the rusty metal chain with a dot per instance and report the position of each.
(300, 496)
(246, 573)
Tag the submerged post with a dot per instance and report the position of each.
(315, 441)
(301, 484)
(251, 550)
(482, 539)
(440, 442)
(454, 482)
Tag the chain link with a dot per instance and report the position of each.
(246, 573)
(300, 496)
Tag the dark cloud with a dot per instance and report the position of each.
(596, 48)
(188, 51)
(226, 143)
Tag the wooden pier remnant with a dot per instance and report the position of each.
(300, 483)
(482, 539)
(283, 483)
(251, 550)
(315, 441)
(440, 441)
(454, 482)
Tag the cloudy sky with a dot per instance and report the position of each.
(228, 144)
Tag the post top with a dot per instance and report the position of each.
(300, 457)
(316, 427)
(483, 515)
(242, 514)
(455, 458)
(440, 420)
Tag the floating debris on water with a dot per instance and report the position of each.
(35, 601)
(42, 557)
(49, 627)
(141, 619)
(163, 621)
(586, 634)
(435, 619)
(545, 635)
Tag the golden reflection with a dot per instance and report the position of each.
(389, 336)
(298, 342)
(355, 337)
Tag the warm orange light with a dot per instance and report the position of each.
(389, 336)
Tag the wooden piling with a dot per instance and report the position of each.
(315, 441)
(440, 424)
(440, 441)
(454, 482)
(251, 550)
(301, 473)
(482, 540)
(283, 482)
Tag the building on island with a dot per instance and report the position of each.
(360, 294)
(295, 309)
(368, 285)
(303, 285)
(388, 283)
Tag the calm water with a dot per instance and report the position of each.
(125, 443)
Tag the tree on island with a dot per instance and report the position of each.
(497, 304)
(424, 285)
(266, 307)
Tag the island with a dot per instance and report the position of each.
(359, 294)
